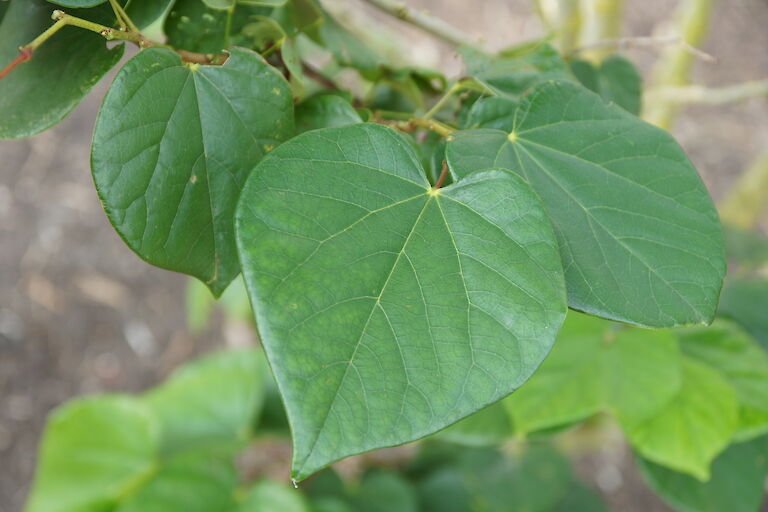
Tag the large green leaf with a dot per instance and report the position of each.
(615, 79)
(186, 483)
(390, 310)
(736, 484)
(696, 425)
(739, 358)
(597, 366)
(744, 301)
(210, 403)
(94, 450)
(40, 93)
(638, 233)
(172, 147)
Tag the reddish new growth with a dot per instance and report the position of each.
(443, 172)
(24, 55)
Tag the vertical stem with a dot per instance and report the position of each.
(748, 197)
(602, 22)
(122, 17)
(228, 26)
(120, 20)
(674, 66)
(442, 101)
(569, 14)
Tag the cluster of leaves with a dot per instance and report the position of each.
(403, 280)
(172, 449)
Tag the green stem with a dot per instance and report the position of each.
(674, 67)
(228, 25)
(422, 20)
(63, 19)
(746, 200)
(442, 101)
(602, 22)
(122, 17)
(39, 40)
(569, 24)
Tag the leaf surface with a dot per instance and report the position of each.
(186, 483)
(41, 92)
(210, 403)
(515, 70)
(93, 450)
(639, 236)
(694, 427)
(389, 310)
(736, 484)
(324, 111)
(739, 358)
(172, 147)
(615, 79)
(598, 366)
(744, 301)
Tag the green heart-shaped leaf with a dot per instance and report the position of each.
(736, 484)
(694, 427)
(638, 233)
(598, 366)
(40, 93)
(741, 360)
(210, 403)
(94, 450)
(388, 309)
(172, 147)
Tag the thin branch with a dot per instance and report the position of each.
(63, 19)
(712, 95)
(443, 173)
(622, 43)
(116, 9)
(24, 55)
(318, 77)
(424, 21)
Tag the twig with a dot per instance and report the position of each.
(63, 19)
(122, 17)
(411, 125)
(443, 173)
(711, 95)
(622, 43)
(318, 77)
(746, 199)
(424, 21)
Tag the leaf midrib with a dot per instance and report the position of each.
(376, 304)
